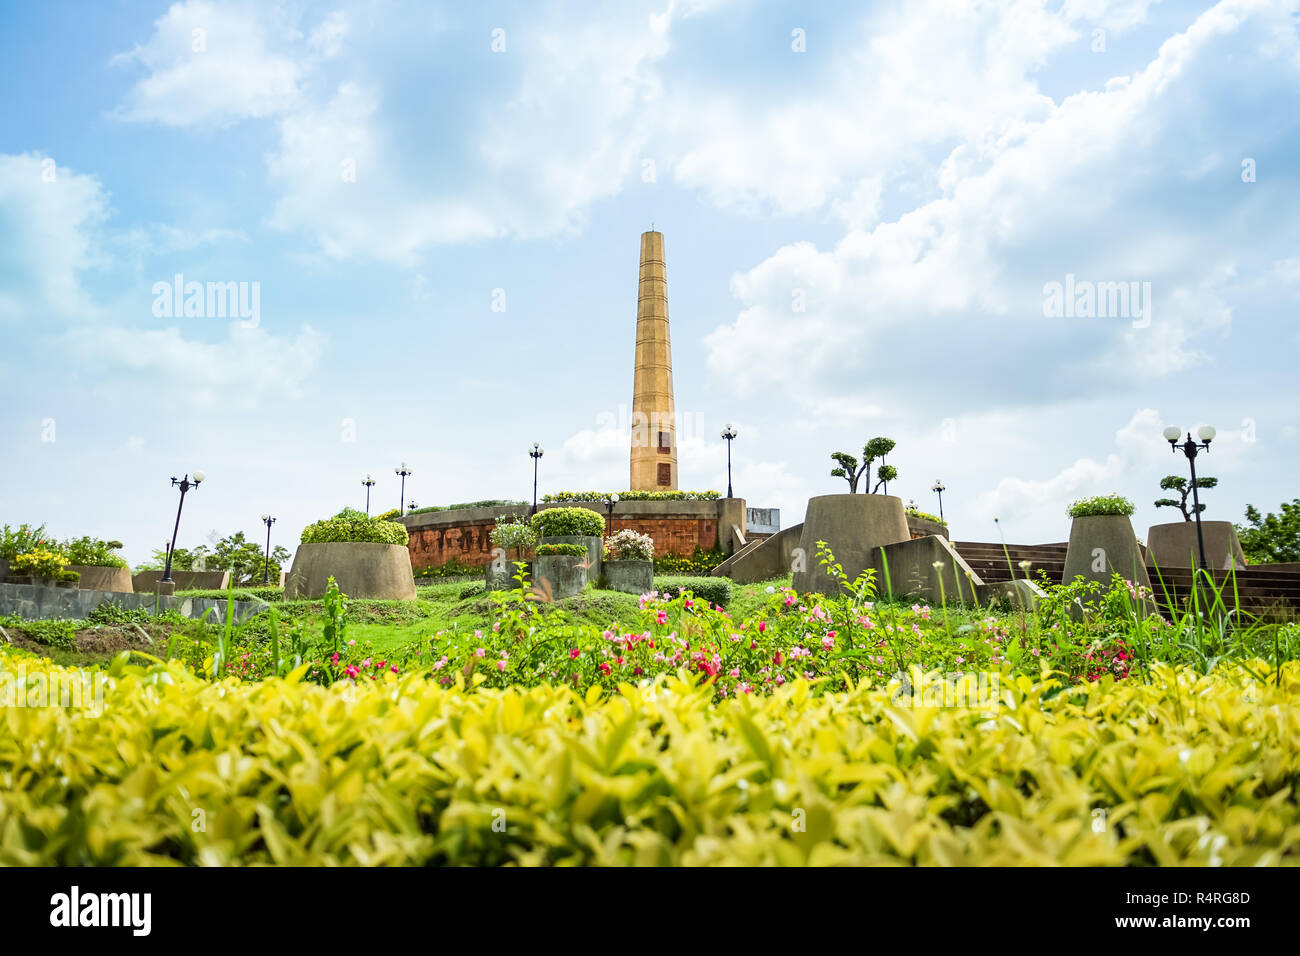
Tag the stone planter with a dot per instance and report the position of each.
(560, 575)
(98, 578)
(501, 576)
(362, 569)
(630, 576)
(146, 582)
(595, 549)
(1173, 545)
(853, 526)
(1103, 545)
(923, 527)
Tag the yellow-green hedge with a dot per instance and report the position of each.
(1190, 769)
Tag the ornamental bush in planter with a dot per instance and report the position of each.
(100, 566)
(629, 562)
(572, 526)
(516, 535)
(1102, 542)
(366, 556)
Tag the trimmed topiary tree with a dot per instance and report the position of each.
(851, 471)
(1184, 488)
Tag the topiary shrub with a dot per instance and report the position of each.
(714, 590)
(550, 550)
(553, 522)
(352, 525)
(1097, 505)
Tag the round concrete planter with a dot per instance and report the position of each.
(922, 527)
(595, 549)
(1102, 545)
(97, 578)
(501, 577)
(630, 576)
(560, 575)
(362, 569)
(853, 526)
(1173, 545)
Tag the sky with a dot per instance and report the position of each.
(872, 213)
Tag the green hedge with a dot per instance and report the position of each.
(352, 525)
(1112, 504)
(632, 496)
(549, 550)
(566, 521)
(486, 503)
(714, 590)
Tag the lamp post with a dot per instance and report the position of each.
(1190, 448)
(266, 568)
(610, 502)
(369, 483)
(535, 453)
(410, 505)
(728, 432)
(402, 470)
(185, 485)
(939, 489)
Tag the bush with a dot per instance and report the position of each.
(1113, 504)
(632, 496)
(486, 503)
(714, 590)
(93, 553)
(352, 525)
(552, 522)
(20, 540)
(112, 614)
(267, 594)
(701, 562)
(60, 634)
(1179, 789)
(44, 561)
(472, 591)
(514, 534)
(925, 516)
(451, 569)
(549, 550)
(628, 545)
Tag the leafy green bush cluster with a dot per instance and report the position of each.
(352, 525)
(451, 569)
(926, 516)
(268, 594)
(92, 552)
(1192, 770)
(486, 503)
(561, 496)
(1112, 504)
(60, 634)
(714, 590)
(22, 539)
(515, 534)
(554, 550)
(699, 563)
(112, 614)
(552, 522)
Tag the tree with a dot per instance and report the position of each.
(1184, 488)
(851, 471)
(244, 559)
(1272, 538)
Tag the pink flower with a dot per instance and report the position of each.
(743, 688)
(352, 670)
(480, 652)
(828, 642)
(662, 617)
(735, 672)
(762, 626)
(501, 665)
(574, 653)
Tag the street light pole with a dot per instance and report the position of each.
(1190, 448)
(938, 488)
(729, 432)
(369, 483)
(535, 453)
(610, 502)
(266, 568)
(185, 485)
(402, 470)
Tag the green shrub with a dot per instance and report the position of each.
(352, 525)
(473, 591)
(701, 562)
(553, 522)
(114, 614)
(66, 575)
(93, 553)
(451, 569)
(714, 590)
(1112, 504)
(513, 534)
(925, 516)
(60, 634)
(20, 540)
(268, 594)
(573, 550)
(561, 496)
(486, 503)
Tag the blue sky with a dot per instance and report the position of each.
(859, 234)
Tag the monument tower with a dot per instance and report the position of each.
(654, 431)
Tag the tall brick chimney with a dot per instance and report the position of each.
(654, 432)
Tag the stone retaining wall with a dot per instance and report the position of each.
(38, 602)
